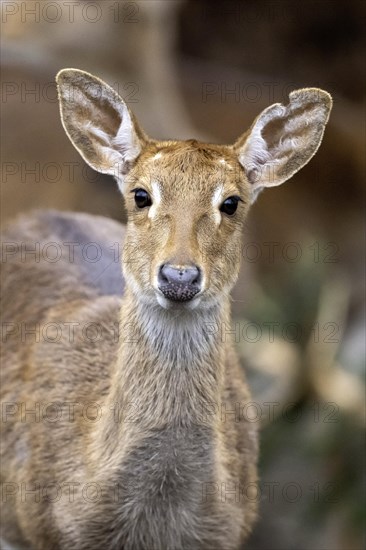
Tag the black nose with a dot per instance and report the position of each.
(179, 284)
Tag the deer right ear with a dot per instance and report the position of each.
(283, 138)
(98, 123)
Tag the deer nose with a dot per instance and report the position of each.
(179, 284)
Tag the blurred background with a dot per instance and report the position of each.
(195, 68)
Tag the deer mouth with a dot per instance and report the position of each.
(179, 292)
(179, 283)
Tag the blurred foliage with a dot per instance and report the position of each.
(312, 450)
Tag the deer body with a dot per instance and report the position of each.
(168, 461)
(160, 463)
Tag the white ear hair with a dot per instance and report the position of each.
(283, 138)
(98, 123)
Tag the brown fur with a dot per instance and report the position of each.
(171, 456)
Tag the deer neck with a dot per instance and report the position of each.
(163, 444)
(170, 365)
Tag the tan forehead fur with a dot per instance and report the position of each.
(189, 166)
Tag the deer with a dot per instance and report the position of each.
(123, 423)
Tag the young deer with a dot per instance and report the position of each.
(137, 438)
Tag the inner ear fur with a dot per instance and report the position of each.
(284, 137)
(98, 122)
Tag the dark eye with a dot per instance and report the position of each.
(142, 198)
(230, 205)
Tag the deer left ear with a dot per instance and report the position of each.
(283, 138)
(99, 123)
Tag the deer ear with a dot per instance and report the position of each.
(98, 123)
(283, 138)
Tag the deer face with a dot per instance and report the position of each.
(187, 201)
(186, 204)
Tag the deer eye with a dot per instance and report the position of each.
(230, 205)
(142, 198)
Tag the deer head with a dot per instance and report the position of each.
(187, 201)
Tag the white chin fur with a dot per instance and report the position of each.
(168, 304)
